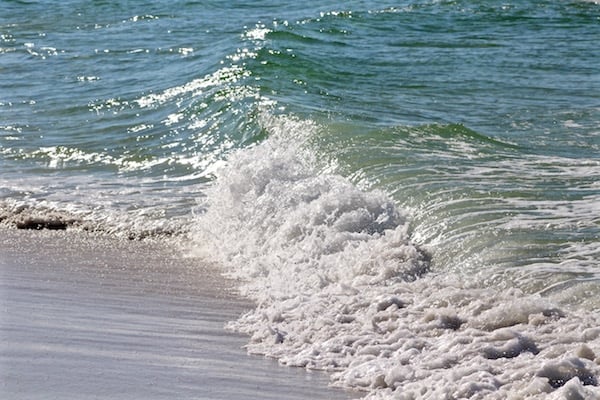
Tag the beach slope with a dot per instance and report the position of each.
(86, 316)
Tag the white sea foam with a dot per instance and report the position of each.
(340, 287)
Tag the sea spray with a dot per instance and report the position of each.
(340, 287)
(273, 214)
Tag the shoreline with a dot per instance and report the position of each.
(93, 316)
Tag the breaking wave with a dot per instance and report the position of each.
(340, 286)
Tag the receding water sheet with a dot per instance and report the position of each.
(96, 318)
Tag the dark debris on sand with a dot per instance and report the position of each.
(25, 217)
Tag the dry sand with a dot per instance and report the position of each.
(91, 317)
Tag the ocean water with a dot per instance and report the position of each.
(408, 190)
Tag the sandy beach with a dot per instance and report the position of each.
(91, 317)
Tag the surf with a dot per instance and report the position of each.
(341, 286)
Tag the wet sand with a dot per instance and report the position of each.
(91, 317)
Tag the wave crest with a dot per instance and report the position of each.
(273, 217)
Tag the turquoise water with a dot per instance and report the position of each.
(480, 120)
